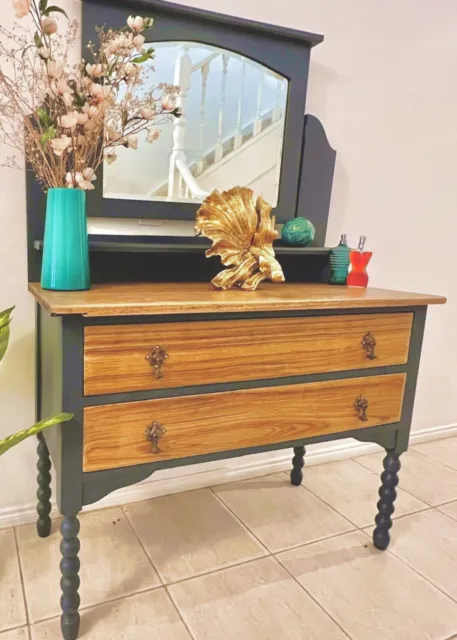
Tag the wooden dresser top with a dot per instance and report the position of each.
(196, 297)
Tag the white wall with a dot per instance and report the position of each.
(383, 82)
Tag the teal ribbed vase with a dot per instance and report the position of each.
(65, 264)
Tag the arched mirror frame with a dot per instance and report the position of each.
(285, 51)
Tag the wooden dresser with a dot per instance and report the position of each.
(163, 375)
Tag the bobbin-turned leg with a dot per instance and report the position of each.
(387, 496)
(298, 462)
(69, 583)
(43, 524)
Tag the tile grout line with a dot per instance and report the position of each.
(15, 628)
(303, 486)
(378, 475)
(132, 528)
(96, 605)
(21, 574)
(333, 535)
(430, 457)
(176, 608)
(244, 526)
(312, 597)
(403, 561)
(399, 484)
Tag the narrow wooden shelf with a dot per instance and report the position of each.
(146, 244)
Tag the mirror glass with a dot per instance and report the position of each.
(230, 134)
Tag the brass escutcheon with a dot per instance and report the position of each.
(156, 359)
(153, 433)
(361, 406)
(369, 344)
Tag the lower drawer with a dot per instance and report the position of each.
(124, 434)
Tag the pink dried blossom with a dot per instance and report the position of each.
(49, 25)
(21, 8)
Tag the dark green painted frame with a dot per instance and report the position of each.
(60, 387)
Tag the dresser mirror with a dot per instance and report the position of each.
(231, 131)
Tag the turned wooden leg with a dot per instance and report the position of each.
(69, 583)
(298, 462)
(43, 524)
(387, 495)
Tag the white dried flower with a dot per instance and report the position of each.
(86, 186)
(89, 174)
(146, 113)
(73, 179)
(68, 100)
(49, 25)
(69, 121)
(111, 156)
(168, 104)
(131, 69)
(153, 134)
(44, 52)
(95, 70)
(132, 142)
(61, 87)
(59, 145)
(55, 69)
(82, 118)
(136, 24)
(138, 41)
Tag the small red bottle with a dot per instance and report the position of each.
(358, 276)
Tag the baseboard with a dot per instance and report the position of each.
(187, 478)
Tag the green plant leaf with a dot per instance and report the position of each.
(143, 58)
(5, 319)
(18, 437)
(43, 5)
(37, 40)
(44, 117)
(55, 9)
(49, 134)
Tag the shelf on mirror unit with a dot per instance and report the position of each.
(146, 244)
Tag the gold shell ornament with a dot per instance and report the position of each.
(242, 236)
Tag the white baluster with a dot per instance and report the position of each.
(219, 150)
(277, 111)
(238, 141)
(182, 77)
(258, 117)
(205, 72)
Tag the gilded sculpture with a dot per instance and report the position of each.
(242, 235)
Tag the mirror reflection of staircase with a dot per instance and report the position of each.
(235, 134)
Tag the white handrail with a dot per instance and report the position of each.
(191, 183)
(231, 54)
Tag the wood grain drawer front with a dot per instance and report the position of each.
(207, 352)
(114, 435)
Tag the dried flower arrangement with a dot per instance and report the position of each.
(66, 120)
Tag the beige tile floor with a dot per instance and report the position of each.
(255, 560)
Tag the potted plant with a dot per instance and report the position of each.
(68, 119)
(11, 441)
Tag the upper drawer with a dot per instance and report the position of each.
(120, 358)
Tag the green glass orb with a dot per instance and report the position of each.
(298, 231)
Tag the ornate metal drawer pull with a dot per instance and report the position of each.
(156, 359)
(361, 406)
(153, 433)
(369, 344)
